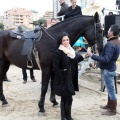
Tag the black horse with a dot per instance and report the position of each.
(10, 48)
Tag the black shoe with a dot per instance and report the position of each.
(34, 80)
(25, 81)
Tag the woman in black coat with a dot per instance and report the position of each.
(73, 10)
(65, 68)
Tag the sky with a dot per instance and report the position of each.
(40, 6)
(108, 4)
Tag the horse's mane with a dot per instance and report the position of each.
(72, 18)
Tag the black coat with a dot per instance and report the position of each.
(73, 12)
(66, 74)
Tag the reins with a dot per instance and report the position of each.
(47, 33)
(94, 47)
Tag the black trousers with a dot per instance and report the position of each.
(25, 74)
(67, 100)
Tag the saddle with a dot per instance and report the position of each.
(23, 35)
(29, 37)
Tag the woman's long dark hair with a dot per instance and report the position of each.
(60, 37)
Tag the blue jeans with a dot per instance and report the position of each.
(109, 83)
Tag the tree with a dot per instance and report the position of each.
(35, 23)
(1, 26)
(43, 21)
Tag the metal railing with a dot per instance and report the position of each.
(60, 17)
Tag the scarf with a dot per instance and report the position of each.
(69, 51)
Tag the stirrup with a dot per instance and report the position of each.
(30, 64)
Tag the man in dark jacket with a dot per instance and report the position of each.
(107, 63)
(63, 9)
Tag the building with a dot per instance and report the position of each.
(56, 7)
(19, 16)
(2, 19)
(48, 15)
(35, 15)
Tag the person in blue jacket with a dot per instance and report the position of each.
(79, 45)
(107, 63)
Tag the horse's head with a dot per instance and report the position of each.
(93, 33)
(87, 26)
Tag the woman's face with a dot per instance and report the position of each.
(73, 3)
(65, 41)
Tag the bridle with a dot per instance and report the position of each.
(94, 28)
(47, 33)
(94, 47)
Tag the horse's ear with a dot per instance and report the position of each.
(96, 17)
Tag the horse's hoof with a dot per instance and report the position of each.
(4, 103)
(55, 103)
(56, 106)
(41, 113)
(42, 110)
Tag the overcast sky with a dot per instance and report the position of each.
(109, 4)
(39, 5)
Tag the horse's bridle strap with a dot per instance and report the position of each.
(48, 34)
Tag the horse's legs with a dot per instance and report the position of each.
(45, 80)
(52, 95)
(2, 97)
(4, 66)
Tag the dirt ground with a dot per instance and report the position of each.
(23, 98)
